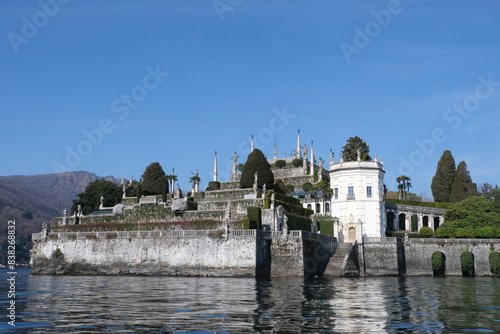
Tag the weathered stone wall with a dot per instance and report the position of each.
(413, 257)
(379, 259)
(241, 254)
(418, 253)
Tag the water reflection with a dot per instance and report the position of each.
(243, 305)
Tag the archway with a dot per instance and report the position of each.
(438, 264)
(414, 223)
(351, 234)
(425, 221)
(390, 221)
(467, 263)
(436, 223)
(402, 222)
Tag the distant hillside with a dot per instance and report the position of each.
(32, 200)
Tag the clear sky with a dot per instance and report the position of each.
(111, 86)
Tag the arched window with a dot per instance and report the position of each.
(327, 207)
(318, 208)
(309, 206)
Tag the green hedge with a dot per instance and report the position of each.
(325, 226)
(426, 232)
(437, 205)
(450, 231)
(298, 222)
(254, 215)
(290, 204)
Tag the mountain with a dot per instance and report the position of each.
(32, 200)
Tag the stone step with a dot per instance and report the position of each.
(339, 261)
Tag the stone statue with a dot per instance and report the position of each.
(359, 155)
(285, 225)
(79, 210)
(255, 177)
(64, 216)
(332, 160)
(101, 206)
(275, 155)
(279, 218)
(264, 190)
(305, 151)
(272, 200)
(124, 189)
(131, 179)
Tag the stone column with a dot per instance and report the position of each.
(420, 221)
(407, 221)
(395, 221)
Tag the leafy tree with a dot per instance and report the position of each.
(473, 211)
(462, 186)
(426, 232)
(404, 184)
(90, 198)
(350, 150)
(442, 180)
(485, 189)
(154, 179)
(257, 162)
(279, 186)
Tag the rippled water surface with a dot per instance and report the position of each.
(129, 304)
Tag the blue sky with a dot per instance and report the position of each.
(125, 83)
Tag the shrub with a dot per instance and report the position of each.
(467, 261)
(465, 232)
(257, 162)
(297, 162)
(438, 264)
(57, 254)
(307, 186)
(289, 188)
(213, 185)
(445, 231)
(494, 260)
(111, 235)
(426, 232)
(280, 163)
(485, 232)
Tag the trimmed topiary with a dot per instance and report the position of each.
(213, 185)
(280, 163)
(297, 162)
(307, 187)
(289, 188)
(467, 262)
(257, 162)
(438, 264)
(494, 259)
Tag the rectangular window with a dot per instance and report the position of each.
(336, 193)
(350, 192)
(369, 191)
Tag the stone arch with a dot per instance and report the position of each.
(402, 222)
(414, 222)
(318, 208)
(425, 221)
(390, 221)
(438, 264)
(467, 263)
(436, 223)
(351, 234)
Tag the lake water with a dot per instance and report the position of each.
(131, 304)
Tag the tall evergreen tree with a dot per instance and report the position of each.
(154, 180)
(462, 187)
(442, 180)
(90, 198)
(350, 150)
(257, 162)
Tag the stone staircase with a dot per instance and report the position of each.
(343, 261)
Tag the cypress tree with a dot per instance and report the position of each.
(257, 162)
(462, 187)
(442, 180)
(154, 179)
(350, 150)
